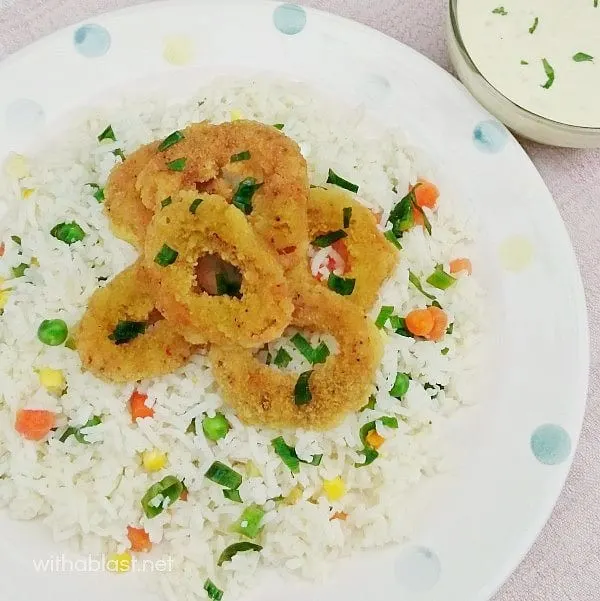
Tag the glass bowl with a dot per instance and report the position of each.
(515, 117)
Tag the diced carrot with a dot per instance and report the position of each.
(374, 439)
(2, 248)
(440, 324)
(418, 217)
(139, 539)
(426, 194)
(419, 322)
(463, 264)
(184, 494)
(137, 406)
(339, 515)
(341, 249)
(34, 424)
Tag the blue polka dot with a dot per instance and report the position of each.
(24, 116)
(551, 444)
(418, 569)
(289, 18)
(92, 40)
(490, 136)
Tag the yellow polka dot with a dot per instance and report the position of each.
(178, 50)
(516, 253)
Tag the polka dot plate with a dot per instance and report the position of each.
(512, 451)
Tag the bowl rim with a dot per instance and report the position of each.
(566, 127)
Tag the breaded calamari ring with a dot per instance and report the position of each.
(123, 206)
(218, 158)
(128, 298)
(215, 227)
(372, 258)
(263, 395)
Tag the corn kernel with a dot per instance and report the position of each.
(374, 439)
(154, 460)
(27, 192)
(118, 562)
(236, 115)
(16, 166)
(53, 380)
(334, 489)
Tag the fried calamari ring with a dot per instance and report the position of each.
(264, 395)
(122, 337)
(221, 159)
(181, 234)
(123, 206)
(371, 258)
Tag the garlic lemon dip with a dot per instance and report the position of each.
(544, 55)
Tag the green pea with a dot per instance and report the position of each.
(68, 232)
(216, 427)
(53, 332)
(400, 387)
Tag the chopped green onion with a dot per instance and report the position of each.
(166, 256)
(228, 284)
(279, 126)
(399, 326)
(329, 238)
(16, 240)
(52, 332)
(414, 280)
(441, 280)
(336, 180)
(240, 156)
(107, 134)
(534, 25)
(195, 204)
(549, 70)
(287, 454)
(302, 393)
(214, 593)
(248, 523)
(426, 221)
(393, 239)
(71, 431)
(581, 57)
(171, 140)
(166, 202)
(384, 314)
(389, 422)
(233, 494)
(370, 403)
(282, 358)
(126, 331)
(19, 270)
(500, 11)
(236, 548)
(445, 351)
(401, 217)
(191, 429)
(450, 328)
(153, 502)
(316, 460)
(370, 456)
(216, 427)
(524, 62)
(321, 353)
(343, 286)
(221, 474)
(347, 215)
(177, 164)
(303, 346)
(69, 233)
(242, 198)
(401, 384)
(436, 304)
(119, 153)
(364, 432)
(99, 192)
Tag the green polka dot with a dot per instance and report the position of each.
(290, 19)
(551, 444)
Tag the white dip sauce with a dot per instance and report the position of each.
(542, 54)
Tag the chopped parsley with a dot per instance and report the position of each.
(177, 164)
(107, 134)
(582, 57)
(500, 11)
(126, 331)
(549, 70)
(166, 256)
(534, 25)
(171, 140)
(343, 286)
(242, 198)
(240, 156)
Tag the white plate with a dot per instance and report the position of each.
(513, 451)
